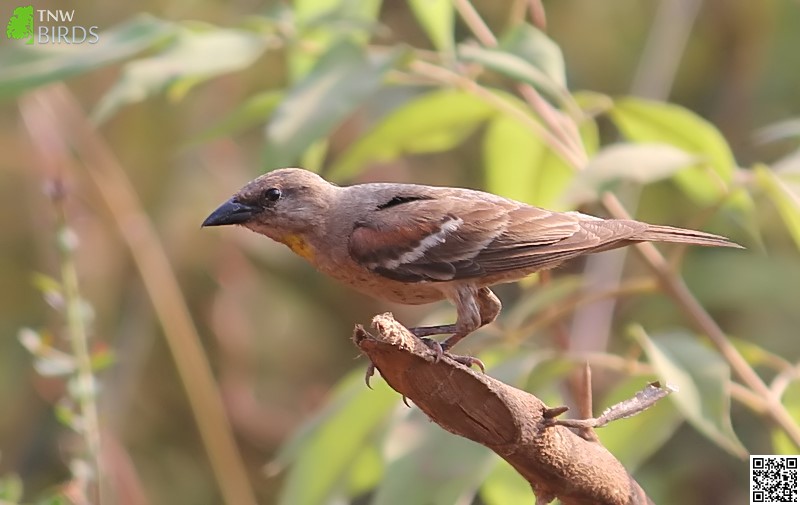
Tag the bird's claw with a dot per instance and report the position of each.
(468, 361)
(436, 347)
(440, 349)
(370, 372)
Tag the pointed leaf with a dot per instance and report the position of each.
(323, 23)
(521, 166)
(437, 19)
(702, 377)
(525, 54)
(535, 47)
(433, 122)
(657, 122)
(432, 466)
(322, 452)
(643, 163)
(341, 81)
(254, 111)
(781, 443)
(366, 472)
(505, 485)
(194, 56)
(781, 194)
(781, 130)
(26, 67)
(539, 298)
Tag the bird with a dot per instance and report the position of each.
(416, 244)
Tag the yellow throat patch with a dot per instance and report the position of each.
(299, 246)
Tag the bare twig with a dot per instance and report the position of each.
(677, 289)
(516, 425)
(642, 401)
(447, 77)
(552, 124)
(475, 23)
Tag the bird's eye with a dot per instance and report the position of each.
(272, 194)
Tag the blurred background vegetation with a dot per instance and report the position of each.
(192, 99)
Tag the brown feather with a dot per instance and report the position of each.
(491, 237)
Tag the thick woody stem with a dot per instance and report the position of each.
(516, 425)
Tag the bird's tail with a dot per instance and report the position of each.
(659, 233)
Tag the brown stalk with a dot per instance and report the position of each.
(672, 284)
(513, 423)
(136, 229)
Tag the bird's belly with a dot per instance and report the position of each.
(380, 287)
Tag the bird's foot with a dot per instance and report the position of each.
(427, 331)
(441, 348)
(370, 372)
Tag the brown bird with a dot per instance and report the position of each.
(416, 244)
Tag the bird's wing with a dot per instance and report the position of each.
(456, 237)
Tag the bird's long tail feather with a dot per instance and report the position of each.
(659, 233)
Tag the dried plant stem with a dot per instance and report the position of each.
(694, 311)
(450, 78)
(475, 23)
(86, 386)
(672, 284)
(161, 284)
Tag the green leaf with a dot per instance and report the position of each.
(325, 449)
(635, 439)
(642, 163)
(781, 194)
(27, 67)
(11, 488)
(366, 472)
(546, 379)
(323, 23)
(781, 443)
(428, 465)
(255, 110)
(342, 79)
(657, 122)
(702, 377)
(437, 19)
(193, 56)
(536, 48)
(519, 165)
(433, 122)
(524, 54)
(538, 299)
(505, 485)
(781, 130)
(754, 354)
(590, 135)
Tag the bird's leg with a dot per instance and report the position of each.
(488, 307)
(427, 331)
(475, 308)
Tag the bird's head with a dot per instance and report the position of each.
(279, 204)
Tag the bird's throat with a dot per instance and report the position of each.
(299, 246)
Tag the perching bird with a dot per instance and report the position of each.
(416, 244)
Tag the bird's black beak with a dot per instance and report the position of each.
(230, 212)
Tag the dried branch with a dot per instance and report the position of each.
(516, 425)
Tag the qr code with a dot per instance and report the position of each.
(773, 479)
